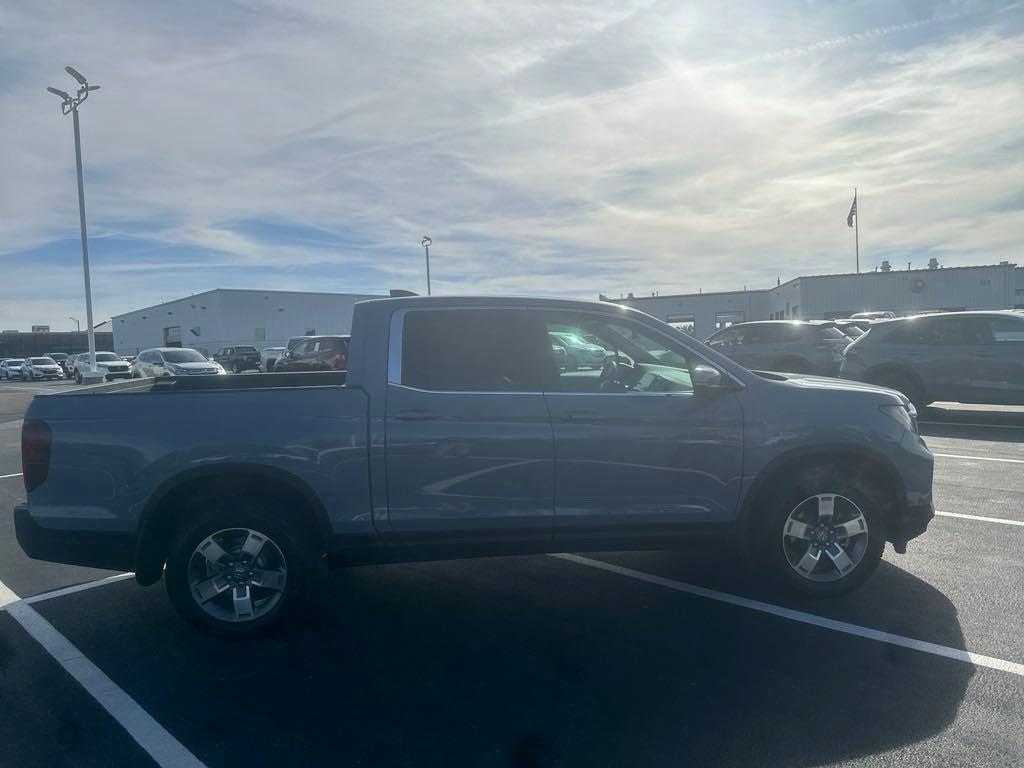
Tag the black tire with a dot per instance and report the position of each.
(904, 383)
(236, 368)
(78, 377)
(571, 364)
(772, 551)
(229, 513)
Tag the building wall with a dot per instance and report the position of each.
(35, 344)
(707, 310)
(909, 291)
(999, 286)
(222, 317)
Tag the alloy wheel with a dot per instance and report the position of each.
(237, 575)
(825, 537)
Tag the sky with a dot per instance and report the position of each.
(547, 148)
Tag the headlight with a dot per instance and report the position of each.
(905, 415)
(176, 370)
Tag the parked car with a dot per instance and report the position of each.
(581, 353)
(966, 357)
(173, 361)
(316, 353)
(10, 368)
(792, 346)
(40, 368)
(874, 315)
(241, 357)
(269, 356)
(453, 434)
(107, 363)
(60, 358)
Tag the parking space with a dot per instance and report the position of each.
(657, 658)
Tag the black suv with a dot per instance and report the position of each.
(964, 357)
(241, 357)
(791, 346)
(316, 353)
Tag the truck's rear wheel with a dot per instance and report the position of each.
(819, 533)
(235, 568)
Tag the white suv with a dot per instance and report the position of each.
(107, 363)
(11, 368)
(39, 368)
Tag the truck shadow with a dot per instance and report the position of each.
(554, 666)
(531, 662)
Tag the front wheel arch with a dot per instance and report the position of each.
(857, 460)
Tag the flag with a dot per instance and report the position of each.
(853, 211)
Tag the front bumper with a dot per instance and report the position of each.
(909, 524)
(110, 376)
(115, 551)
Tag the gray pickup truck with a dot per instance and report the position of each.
(456, 433)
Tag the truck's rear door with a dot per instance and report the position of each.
(468, 440)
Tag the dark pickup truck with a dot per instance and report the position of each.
(456, 433)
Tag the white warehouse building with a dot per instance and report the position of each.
(225, 316)
(823, 297)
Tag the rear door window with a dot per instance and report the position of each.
(999, 330)
(475, 350)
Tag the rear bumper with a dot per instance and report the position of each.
(115, 551)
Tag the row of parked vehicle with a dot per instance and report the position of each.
(967, 357)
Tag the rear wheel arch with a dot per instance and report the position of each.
(879, 372)
(793, 364)
(180, 498)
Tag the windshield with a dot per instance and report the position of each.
(15, 361)
(183, 356)
(245, 349)
(42, 361)
(106, 357)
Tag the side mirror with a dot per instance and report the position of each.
(704, 377)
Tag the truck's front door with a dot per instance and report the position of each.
(468, 439)
(637, 449)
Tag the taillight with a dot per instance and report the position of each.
(35, 453)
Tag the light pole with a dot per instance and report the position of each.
(70, 104)
(425, 242)
(78, 325)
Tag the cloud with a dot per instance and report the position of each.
(557, 148)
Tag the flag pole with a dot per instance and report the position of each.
(856, 230)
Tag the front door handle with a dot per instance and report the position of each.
(584, 416)
(416, 414)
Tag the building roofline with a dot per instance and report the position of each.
(246, 290)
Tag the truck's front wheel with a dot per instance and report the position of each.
(820, 533)
(235, 570)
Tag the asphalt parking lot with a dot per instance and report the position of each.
(621, 659)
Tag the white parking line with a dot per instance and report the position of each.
(977, 458)
(804, 618)
(4, 477)
(158, 743)
(981, 518)
(78, 588)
